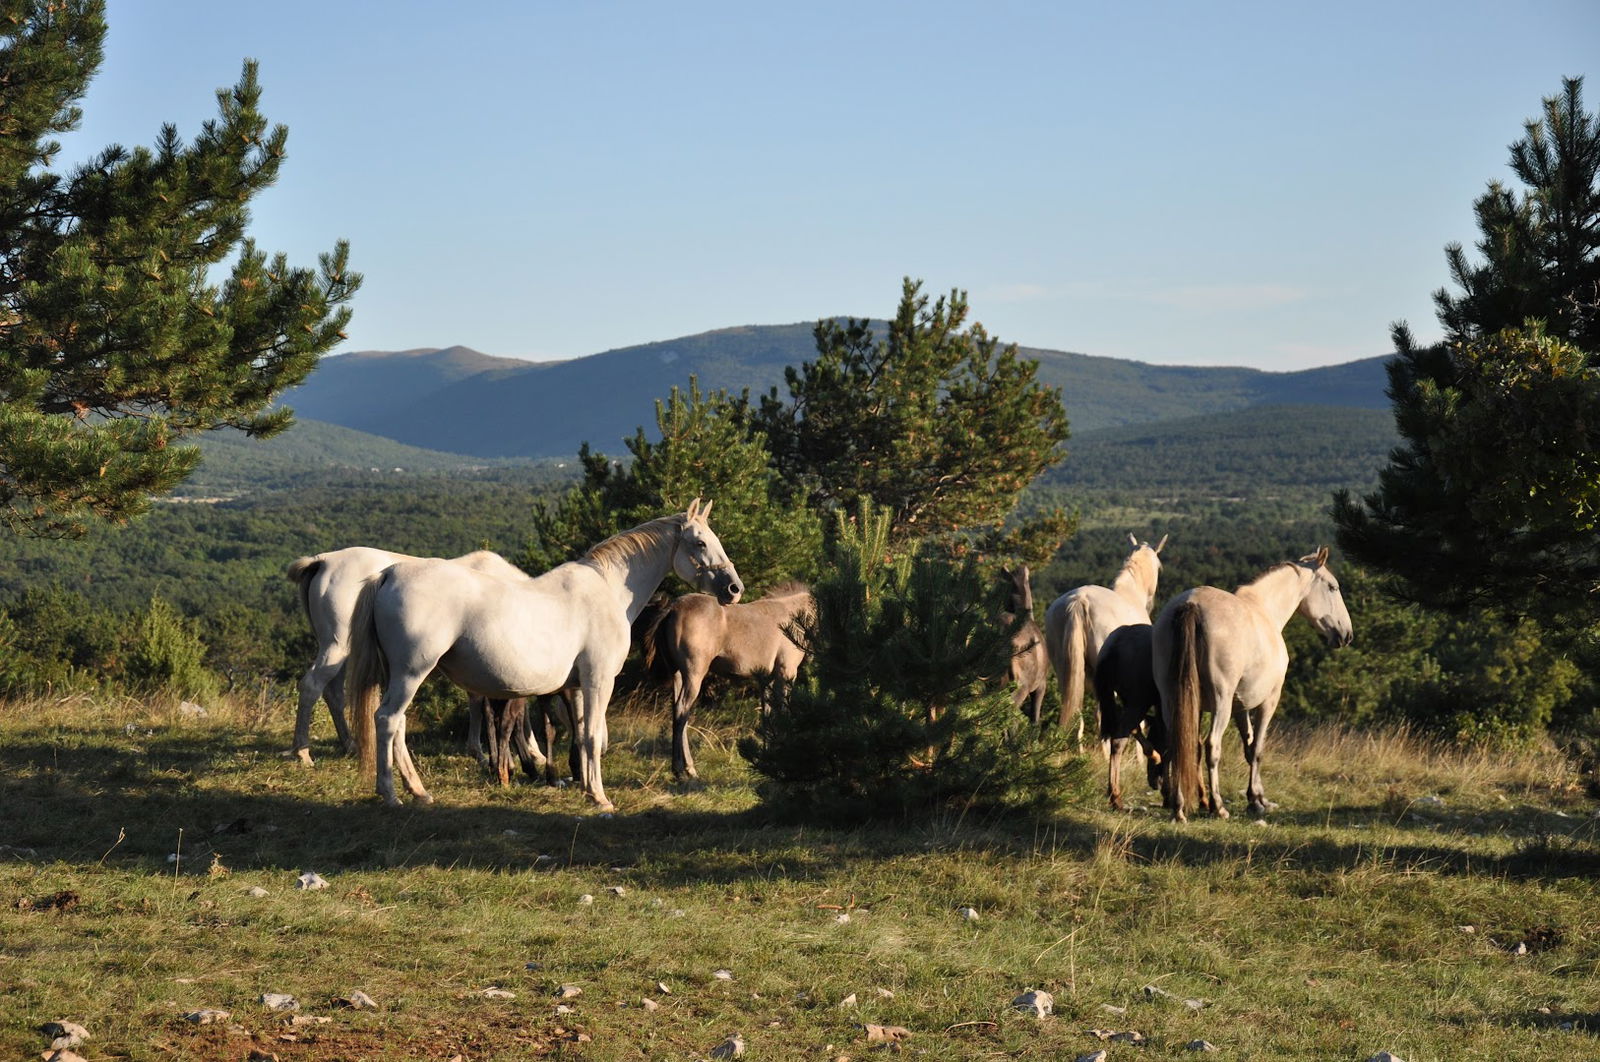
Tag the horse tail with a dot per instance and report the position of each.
(1074, 663)
(366, 673)
(300, 572)
(1183, 741)
(657, 660)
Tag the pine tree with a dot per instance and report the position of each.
(898, 710)
(1491, 497)
(935, 422)
(116, 342)
(707, 449)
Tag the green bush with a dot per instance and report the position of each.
(898, 711)
(166, 655)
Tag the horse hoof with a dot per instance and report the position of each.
(1221, 812)
(424, 798)
(302, 755)
(392, 802)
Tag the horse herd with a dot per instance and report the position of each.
(385, 621)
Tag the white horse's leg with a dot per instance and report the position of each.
(1213, 744)
(1254, 792)
(333, 694)
(319, 680)
(408, 768)
(590, 707)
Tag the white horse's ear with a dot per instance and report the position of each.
(705, 514)
(693, 512)
(1134, 542)
(1163, 542)
(1322, 556)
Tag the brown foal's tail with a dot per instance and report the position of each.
(1183, 741)
(658, 663)
(365, 674)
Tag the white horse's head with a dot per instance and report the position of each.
(1144, 562)
(1323, 604)
(700, 559)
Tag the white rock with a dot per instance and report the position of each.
(847, 1001)
(192, 710)
(1195, 1004)
(568, 992)
(969, 913)
(358, 1001)
(732, 1047)
(1385, 1056)
(884, 993)
(64, 1034)
(1131, 1036)
(1519, 948)
(256, 891)
(841, 918)
(723, 975)
(1200, 1045)
(586, 899)
(1110, 1008)
(543, 860)
(310, 880)
(208, 1016)
(1036, 1002)
(649, 1004)
(1093, 1056)
(299, 1021)
(617, 890)
(279, 1001)
(562, 1008)
(496, 992)
(1156, 992)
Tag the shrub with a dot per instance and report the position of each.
(166, 655)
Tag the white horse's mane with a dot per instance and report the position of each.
(625, 545)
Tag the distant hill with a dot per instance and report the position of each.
(459, 401)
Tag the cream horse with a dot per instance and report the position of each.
(329, 583)
(1223, 653)
(1078, 622)
(503, 638)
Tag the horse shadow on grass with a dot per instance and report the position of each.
(196, 802)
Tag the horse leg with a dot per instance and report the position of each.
(333, 695)
(498, 713)
(525, 741)
(1254, 793)
(686, 691)
(1213, 746)
(1114, 775)
(323, 675)
(477, 708)
(590, 711)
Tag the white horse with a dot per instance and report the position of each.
(501, 638)
(1078, 622)
(329, 583)
(1224, 653)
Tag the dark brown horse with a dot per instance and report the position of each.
(695, 636)
(1030, 664)
(1130, 704)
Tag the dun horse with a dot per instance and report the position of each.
(1130, 705)
(695, 635)
(1030, 664)
(1078, 622)
(1223, 653)
(329, 583)
(499, 638)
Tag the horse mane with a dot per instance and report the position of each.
(787, 588)
(622, 547)
(1142, 566)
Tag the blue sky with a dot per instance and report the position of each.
(1261, 184)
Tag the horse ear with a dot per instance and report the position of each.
(1134, 542)
(693, 512)
(1163, 542)
(1322, 556)
(705, 514)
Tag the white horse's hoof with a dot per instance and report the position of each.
(424, 798)
(302, 755)
(1221, 812)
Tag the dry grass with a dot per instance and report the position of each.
(1333, 931)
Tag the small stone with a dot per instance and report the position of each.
(568, 992)
(1431, 801)
(1111, 1008)
(847, 1001)
(543, 860)
(355, 1001)
(510, 833)
(884, 993)
(1199, 1045)
(732, 1047)
(1519, 948)
(63, 1054)
(298, 1021)
(279, 1001)
(1132, 1036)
(723, 975)
(886, 1034)
(496, 992)
(617, 890)
(1385, 1056)
(1156, 992)
(1038, 1003)
(586, 899)
(841, 918)
(1093, 1056)
(256, 892)
(663, 988)
(208, 1016)
(1195, 1004)
(649, 1004)
(310, 880)
(1467, 929)
(968, 913)
(562, 1008)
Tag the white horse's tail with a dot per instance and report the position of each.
(1183, 740)
(300, 572)
(1072, 667)
(365, 674)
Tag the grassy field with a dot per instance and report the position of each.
(1421, 900)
